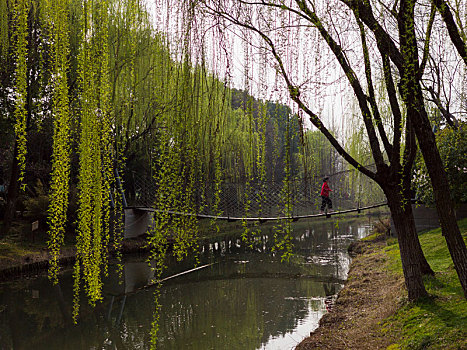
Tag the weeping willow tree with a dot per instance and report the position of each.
(166, 104)
(61, 22)
(57, 25)
(94, 153)
(124, 94)
(188, 160)
(20, 11)
(4, 29)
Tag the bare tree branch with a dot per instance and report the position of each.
(426, 48)
(396, 112)
(366, 15)
(371, 90)
(452, 28)
(295, 93)
(450, 119)
(353, 80)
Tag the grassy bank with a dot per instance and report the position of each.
(439, 321)
(372, 311)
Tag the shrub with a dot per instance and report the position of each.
(452, 145)
(37, 206)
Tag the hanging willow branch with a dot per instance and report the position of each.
(95, 155)
(59, 32)
(20, 18)
(4, 30)
(105, 123)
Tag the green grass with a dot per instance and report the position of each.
(9, 250)
(20, 242)
(439, 321)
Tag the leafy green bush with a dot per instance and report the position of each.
(452, 145)
(37, 206)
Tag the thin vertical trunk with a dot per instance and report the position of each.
(425, 268)
(12, 194)
(416, 112)
(408, 244)
(441, 192)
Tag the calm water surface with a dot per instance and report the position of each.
(247, 299)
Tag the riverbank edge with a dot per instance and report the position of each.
(370, 295)
(372, 310)
(38, 262)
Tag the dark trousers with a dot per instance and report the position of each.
(327, 201)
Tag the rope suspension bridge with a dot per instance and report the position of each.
(258, 201)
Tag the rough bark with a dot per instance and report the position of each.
(452, 28)
(12, 194)
(412, 96)
(408, 243)
(395, 184)
(441, 192)
(417, 251)
(403, 176)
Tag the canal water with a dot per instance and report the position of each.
(245, 299)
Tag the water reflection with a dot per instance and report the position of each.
(246, 299)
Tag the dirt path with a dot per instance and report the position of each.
(370, 295)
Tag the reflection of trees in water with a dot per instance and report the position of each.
(219, 301)
(325, 244)
(245, 313)
(38, 316)
(272, 309)
(242, 312)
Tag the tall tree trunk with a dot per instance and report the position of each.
(413, 98)
(12, 194)
(425, 268)
(408, 243)
(441, 192)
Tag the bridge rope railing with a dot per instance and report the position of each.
(263, 219)
(265, 199)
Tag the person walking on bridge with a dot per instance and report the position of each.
(325, 195)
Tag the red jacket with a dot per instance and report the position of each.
(325, 189)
